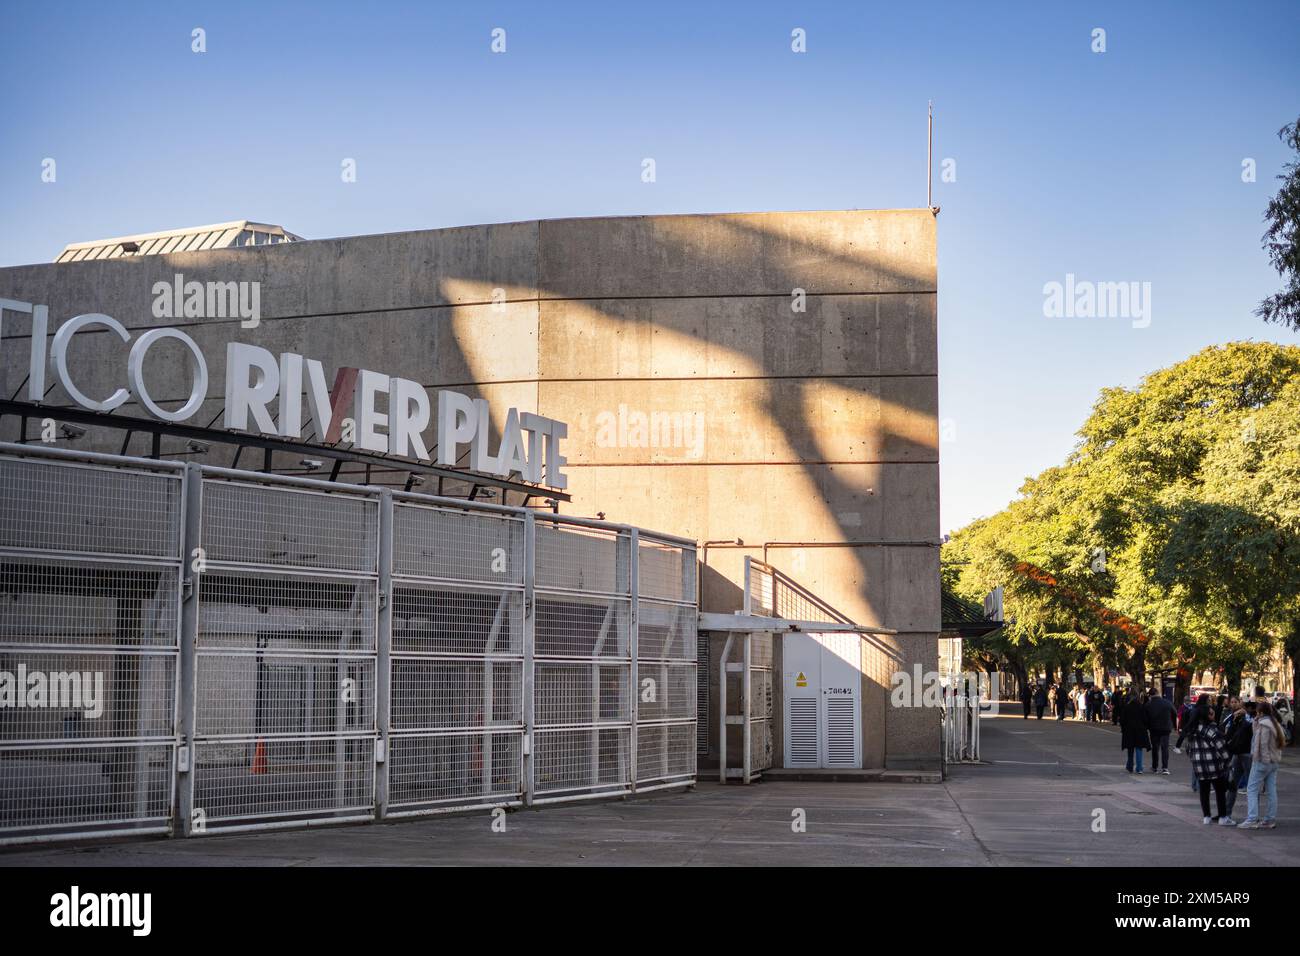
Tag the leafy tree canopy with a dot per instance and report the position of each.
(1189, 485)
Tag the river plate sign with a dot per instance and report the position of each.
(258, 380)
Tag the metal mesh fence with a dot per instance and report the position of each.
(85, 788)
(285, 686)
(89, 647)
(665, 751)
(772, 593)
(665, 571)
(69, 507)
(458, 545)
(578, 558)
(582, 761)
(454, 770)
(583, 660)
(761, 701)
(457, 658)
(242, 781)
(350, 652)
(667, 632)
(261, 524)
(667, 668)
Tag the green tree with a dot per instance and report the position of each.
(1199, 572)
(1282, 238)
(1188, 486)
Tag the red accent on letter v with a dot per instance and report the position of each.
(345, 386)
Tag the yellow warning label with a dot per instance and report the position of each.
(801, 679)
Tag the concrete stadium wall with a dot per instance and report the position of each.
(780, 425)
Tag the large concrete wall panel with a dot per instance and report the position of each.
(747, 421)
(753, 336)
(738, 254)
(803, 344)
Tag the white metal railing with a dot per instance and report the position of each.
(961, 722)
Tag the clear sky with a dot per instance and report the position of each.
(1117, 166)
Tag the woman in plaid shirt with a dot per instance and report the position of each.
(1210, 760)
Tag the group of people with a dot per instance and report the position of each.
(1233, 744)
(1084, 703)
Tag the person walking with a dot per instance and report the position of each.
(1026, 698)
(1210, 761)
(1098, 707)
(1117, 702)
(1040, 700)
(1062, 701)
(1265, 757)
(1160, 722)
(1135, 732)
(1237, 732)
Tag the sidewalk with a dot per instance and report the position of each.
(1034, 802)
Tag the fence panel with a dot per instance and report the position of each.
(457, 659)
(667, 666)
(285, 685)
(582, 660)
(89, 646)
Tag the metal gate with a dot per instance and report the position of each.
(457, 661)
(286, 648)
(667, 673)
(582, 660)
(253, 651)
(90, 573)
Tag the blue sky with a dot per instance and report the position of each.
(1119, 166)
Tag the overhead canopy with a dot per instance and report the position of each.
(964, 617)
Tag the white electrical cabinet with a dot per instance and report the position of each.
(822, 677)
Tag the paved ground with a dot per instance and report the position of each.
(1032, 803)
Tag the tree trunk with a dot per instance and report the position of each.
(1232, 676)
(1021, 677)
(1181, 686)
(1050, 672)
(1137, 666)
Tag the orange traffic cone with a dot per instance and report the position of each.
(259, 758)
